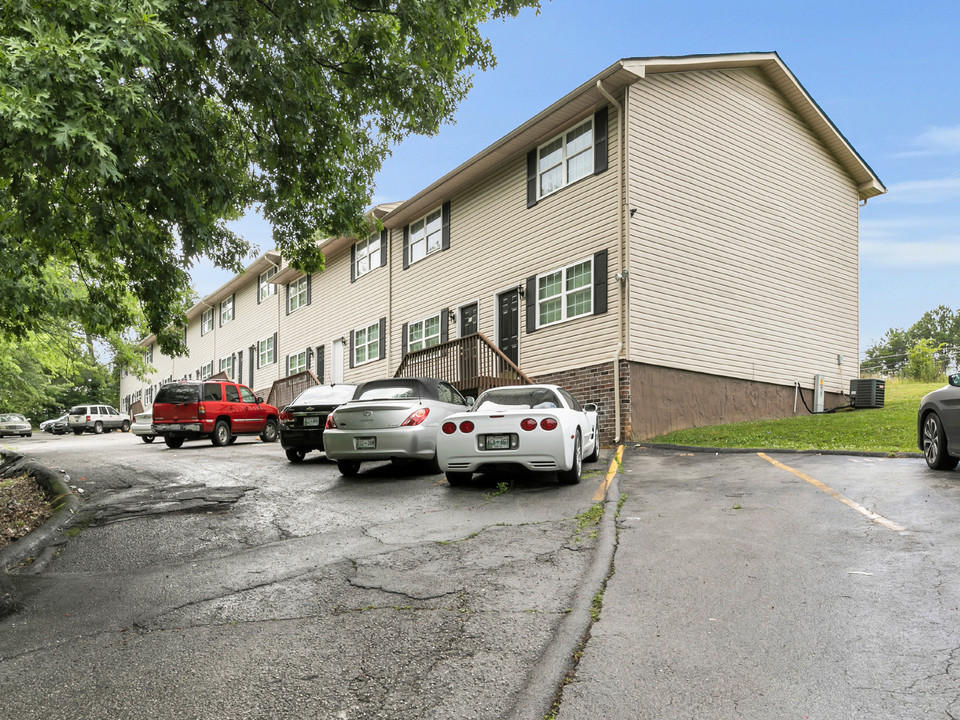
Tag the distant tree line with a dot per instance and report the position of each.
(925, 351)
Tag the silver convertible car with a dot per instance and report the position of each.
(395, 419)
(938, 426)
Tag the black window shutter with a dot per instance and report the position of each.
(254, 361)
(276, 348)
(309, 288)
(403, 339)
(383, 247)
(220, 320)
(351, 349)
(321, 362)
(445, 223)
(406, 246)
(532, 178)
(288, 298)
(309, 354)
(383, 338)
(239, 374)
(600, 141)
(233, 305)
(600, 282)
(286, 363)
(531, 294)
(445, 325)
(353, 263)
(258, 290)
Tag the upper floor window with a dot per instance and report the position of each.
(565, 159)
(226, 310)
(297, 294)
(226, 365)
(148, 354)
(266, 287)
(423, 333)
(206, 371)
(367, 255)
(366, 344)
(297, 363)
(267, 349)
(565, 294)
(206, 321)
(426, 235)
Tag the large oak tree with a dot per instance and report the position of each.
(133, 131)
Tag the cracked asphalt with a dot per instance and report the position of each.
(228, 583)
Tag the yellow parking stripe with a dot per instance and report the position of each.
(614, 464)
(879, 519)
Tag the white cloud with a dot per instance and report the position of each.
(924, 191)
(934, 141)
(937, 253)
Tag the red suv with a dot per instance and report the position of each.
(214, 409)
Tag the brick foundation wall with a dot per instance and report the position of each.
(595, 384)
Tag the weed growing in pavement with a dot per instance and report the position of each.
(502, 487)
(590, 516)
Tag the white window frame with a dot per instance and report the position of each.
(565, 293)
(266, 288)
(147, 355)
(367, 255)
(297, 294)
(206, 322)
(226, 365)
(206, 371)
(428, 232)
(226, 310)
(564, 159)
(424, 341)
(297, 363)
(366, 345)
(266, 351)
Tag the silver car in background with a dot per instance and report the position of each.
(395, 419)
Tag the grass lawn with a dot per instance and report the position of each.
(890, 429)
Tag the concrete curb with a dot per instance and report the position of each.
(65, 509)
(547, 676)
(786, 451)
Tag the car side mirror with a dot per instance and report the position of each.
(954, 379)
(259, 400)
(470, 401)
(590, 407)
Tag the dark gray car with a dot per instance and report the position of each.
(938, 426)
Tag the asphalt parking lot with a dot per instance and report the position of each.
(743, 585)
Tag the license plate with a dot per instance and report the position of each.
(311, 421)
(367, 443)
(497, 442)
(174, 426)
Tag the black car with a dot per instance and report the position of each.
(938, 426)
(302, 421)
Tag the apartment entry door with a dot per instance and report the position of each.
(336, 362)
(508, 324)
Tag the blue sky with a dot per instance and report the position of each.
(884, 72)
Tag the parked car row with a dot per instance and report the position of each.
(15, 424)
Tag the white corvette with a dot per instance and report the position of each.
(539, 427)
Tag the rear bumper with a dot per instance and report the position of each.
(297, 439)
(415, 443)
(182, 430)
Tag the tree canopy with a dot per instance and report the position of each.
(935, 337)
(133, 131)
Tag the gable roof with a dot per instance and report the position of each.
(587, 97)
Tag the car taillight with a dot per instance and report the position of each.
(286, 416)
(466, 426)
(416, 417)
(528, 424)
(330, 424)
(88, 418)
(548, 424)
(201, 411)
(449, 428)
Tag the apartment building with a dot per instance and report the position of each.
(676, 239)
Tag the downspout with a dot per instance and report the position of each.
(621, 276)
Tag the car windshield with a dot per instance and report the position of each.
(387, 392)
(16, 417)
(326, 395)
(78, 410)
(178, 394)
(517, 398)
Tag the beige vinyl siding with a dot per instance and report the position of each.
(496, 243)
(743, 249)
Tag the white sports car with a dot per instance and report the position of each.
(539, 427)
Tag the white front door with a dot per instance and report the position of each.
(336, 362)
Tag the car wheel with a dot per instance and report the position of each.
(296, 455)
(935, 445)
(572, 476)
(455, 479)
(348, 467)
(173, 443)
(221, 434)
(595, 455)
(269, 433)
(148, 438)
(125, 427)
(78, 432)
(97, 428)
